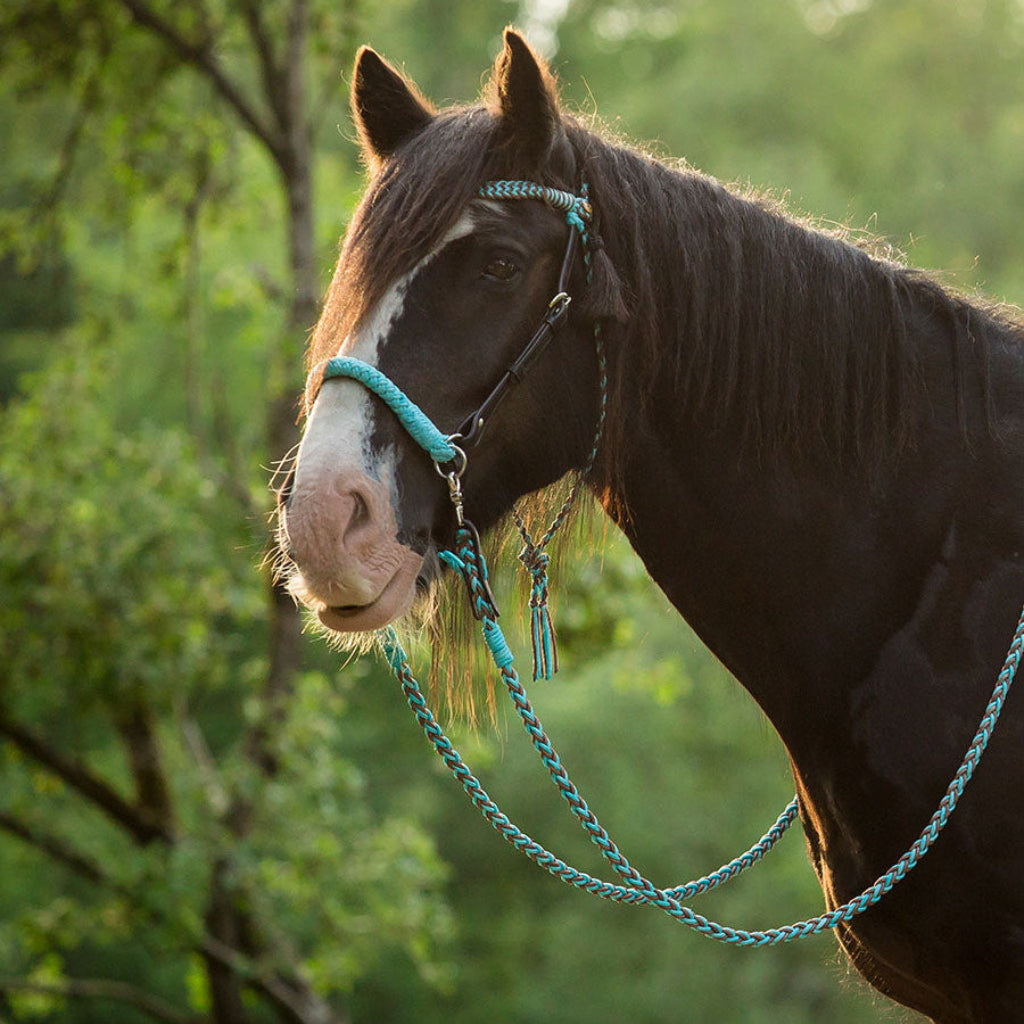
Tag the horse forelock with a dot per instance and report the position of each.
(408, 207)
(418, 195)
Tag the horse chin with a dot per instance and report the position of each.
(394, 600)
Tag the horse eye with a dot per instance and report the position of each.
(501, 269)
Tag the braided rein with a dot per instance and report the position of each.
(638, 890)
(468, 561)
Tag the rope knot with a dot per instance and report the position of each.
(576, 219)
(468, 561)
(535, 560)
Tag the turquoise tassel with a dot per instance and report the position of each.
(542, 633)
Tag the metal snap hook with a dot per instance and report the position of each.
(453, 476)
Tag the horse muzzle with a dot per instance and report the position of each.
(339, 531)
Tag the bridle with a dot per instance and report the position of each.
(578, 214)
(467, 560)
(448, 451)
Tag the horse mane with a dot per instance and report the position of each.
(799, 339)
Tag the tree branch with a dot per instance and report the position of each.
(80, 778)
(152, 794)
(292, 998)
(345, 55)
(200, 57)
(221, 919)
(55, 849)
(100, 988)
(192, 300)
(216, 795)
(298, 31)
(86, 104)
(269, 68)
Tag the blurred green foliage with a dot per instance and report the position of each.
(142, 280)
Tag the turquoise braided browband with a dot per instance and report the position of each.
(577, 208)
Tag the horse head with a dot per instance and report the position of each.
(440, 289)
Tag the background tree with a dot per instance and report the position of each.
(179, 97)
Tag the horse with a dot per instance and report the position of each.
(816, 451)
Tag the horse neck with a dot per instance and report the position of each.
(765, 566)
(791, 559)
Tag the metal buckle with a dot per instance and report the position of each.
(557, 308)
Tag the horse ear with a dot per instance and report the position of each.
(527, 99)
(387, 108)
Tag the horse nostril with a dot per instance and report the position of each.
(359, 517)
(360, 511)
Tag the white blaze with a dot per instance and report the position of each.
(340, 423)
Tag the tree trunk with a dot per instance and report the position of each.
(224, 983)
(297, 178)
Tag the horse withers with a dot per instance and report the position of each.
(817, 453)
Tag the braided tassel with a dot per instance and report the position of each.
(542, 632)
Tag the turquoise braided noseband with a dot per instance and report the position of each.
(416, 422)
(468, 561)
